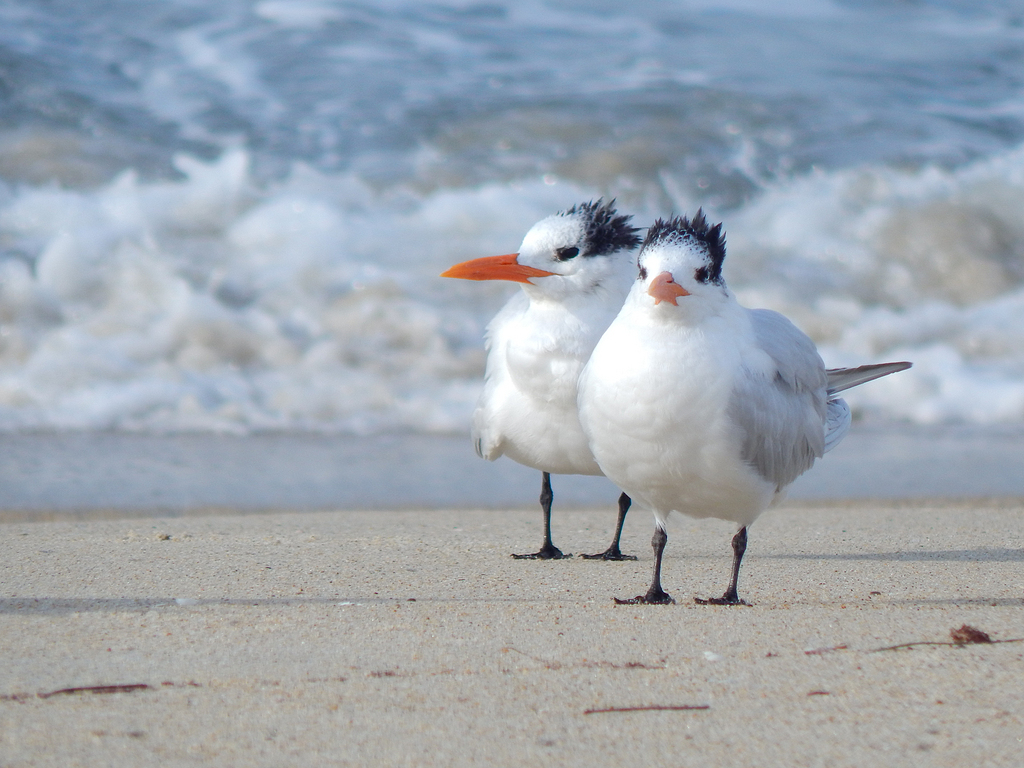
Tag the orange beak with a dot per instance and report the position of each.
(495, 268)
(664, 288)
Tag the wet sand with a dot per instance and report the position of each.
(404, 638)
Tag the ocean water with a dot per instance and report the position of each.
(230, 217)
(92, 474)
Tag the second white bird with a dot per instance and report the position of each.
(574, 272)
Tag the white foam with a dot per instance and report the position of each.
(215, 303)
(208, 304)
(311, 14)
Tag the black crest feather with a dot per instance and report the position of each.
(605, 230)
(695, 232)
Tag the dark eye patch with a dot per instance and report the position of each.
(564, 254)
(643, 272)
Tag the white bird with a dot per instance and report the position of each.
(695, 404)
(574, 275)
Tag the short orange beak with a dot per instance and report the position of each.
(664, 288)
(495, 268)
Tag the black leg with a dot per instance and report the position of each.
(548, 551)
(731, 597)
(613, 552)
(655, 595)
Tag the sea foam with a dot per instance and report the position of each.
(214, 301)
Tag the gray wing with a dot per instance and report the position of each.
(782, 415)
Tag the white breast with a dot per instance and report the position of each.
(528, 407)
(654, 402)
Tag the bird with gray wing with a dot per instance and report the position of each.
(694, 404)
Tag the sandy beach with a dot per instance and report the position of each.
(405, 638)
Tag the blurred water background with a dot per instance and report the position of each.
(221, 224)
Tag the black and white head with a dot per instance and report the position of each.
(577, 246)
(682, 258)
(572, 252)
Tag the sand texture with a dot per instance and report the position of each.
(403, 638)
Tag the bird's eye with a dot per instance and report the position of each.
(643, 272)
(564, 254)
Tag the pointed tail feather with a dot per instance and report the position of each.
(840, 379)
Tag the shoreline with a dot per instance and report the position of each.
(94, 473)
(115, 514)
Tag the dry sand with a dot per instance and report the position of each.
(413, 639)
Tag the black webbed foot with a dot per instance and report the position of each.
(655, 594)
(547, 552)
(612, 553)
(731, 596)
(725, 599)
(653, 597)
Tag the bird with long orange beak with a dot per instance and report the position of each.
(574, 271)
